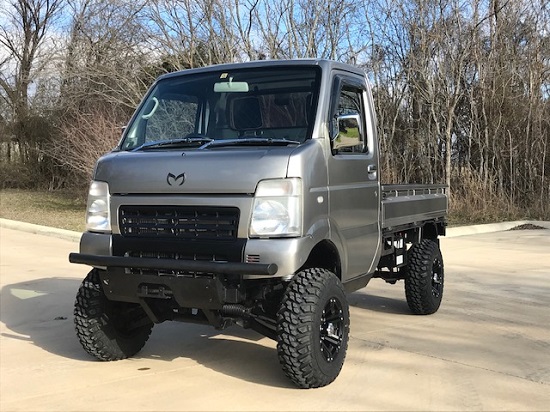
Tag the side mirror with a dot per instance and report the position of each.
(348, 133)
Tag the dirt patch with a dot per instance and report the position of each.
(528, 226)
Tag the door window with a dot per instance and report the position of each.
(350, 102)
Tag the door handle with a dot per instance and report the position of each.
(372, 172)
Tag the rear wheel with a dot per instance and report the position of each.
(106, 329)
(313, 328)
(425, 277)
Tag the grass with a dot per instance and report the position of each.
(56, 209)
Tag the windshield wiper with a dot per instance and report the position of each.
(183, 142)
(252, 141)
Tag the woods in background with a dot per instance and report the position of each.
(462, 87)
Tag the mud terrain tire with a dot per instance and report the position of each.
(313, 328)
(425, 278)
(106, 329)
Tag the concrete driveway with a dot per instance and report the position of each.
(488, 347)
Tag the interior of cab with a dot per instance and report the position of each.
(274, 104)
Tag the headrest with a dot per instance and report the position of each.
(246, 113)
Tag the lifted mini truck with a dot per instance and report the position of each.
(249, 194)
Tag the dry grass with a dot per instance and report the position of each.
(55, 209)
(472, 202)
(464, 211)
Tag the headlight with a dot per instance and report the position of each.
(277, 210)
(98, 215)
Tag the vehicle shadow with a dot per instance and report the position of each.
(237, 352)
(381, 304)
(41, 311)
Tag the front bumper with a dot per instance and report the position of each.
(287, 254)
(202, 285)
(216, 268)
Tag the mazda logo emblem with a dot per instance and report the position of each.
(174, 180)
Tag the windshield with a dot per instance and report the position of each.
(261, 104)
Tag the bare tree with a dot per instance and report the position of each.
(462, 87)
(23, 29)
(77, 148)
(106, 56)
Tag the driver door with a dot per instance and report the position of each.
(353, 181)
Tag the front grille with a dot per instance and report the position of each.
(182, 222)
(169, 255)
(205, 257)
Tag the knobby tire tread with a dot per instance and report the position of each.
(92, 324)
(296, 318)
(418, 281)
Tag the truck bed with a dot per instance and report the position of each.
(410, 203)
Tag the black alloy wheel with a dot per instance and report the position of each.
(332, 329)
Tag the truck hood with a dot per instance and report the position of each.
(231, 171)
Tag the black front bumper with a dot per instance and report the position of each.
(165, 274)
(216, 268)
(204, 284)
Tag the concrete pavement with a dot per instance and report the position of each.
(40, 230)
(488, 347)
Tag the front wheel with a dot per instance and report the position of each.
(106, 329)
(313, 328)
(425, 276)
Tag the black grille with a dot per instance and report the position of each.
(169, 255)
(183, 222)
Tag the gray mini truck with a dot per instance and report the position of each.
(249, 194)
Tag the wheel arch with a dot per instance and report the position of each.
(429, 231)
(325, 255)
(432, 230)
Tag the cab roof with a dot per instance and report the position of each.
(322, 63)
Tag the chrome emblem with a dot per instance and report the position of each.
(174, 180)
